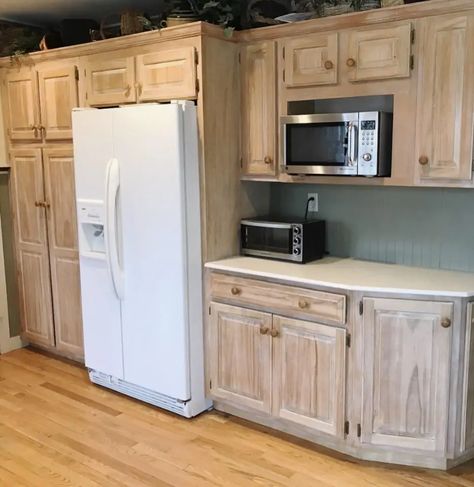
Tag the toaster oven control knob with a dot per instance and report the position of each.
(296, 230)
(297, 240)
(367, 157)
(297, 251)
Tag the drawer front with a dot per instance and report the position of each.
(279, 298)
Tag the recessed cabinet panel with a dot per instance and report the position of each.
(240, 356)
(309, 375)
(110, 81)
(311, 60)
(258, 67)
(58, 96)
(379, 53)
(21, 92)
(446, 99)
(407, 347)
(167, 74)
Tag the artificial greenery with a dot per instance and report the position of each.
(16, 40)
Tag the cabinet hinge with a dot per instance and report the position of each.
(361, 307)
(359, 430)
(346, 428)
(76, 73)
(284, 76)
(283, 53)
(412, 36)
(241, 163)
(209, 311)
(197, 86)
(348, 340)
(412, 62)
(210, 384)
(196, 56)
(240, 58)
(87, 95)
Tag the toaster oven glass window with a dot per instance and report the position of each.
(323, 144)
(269, 239)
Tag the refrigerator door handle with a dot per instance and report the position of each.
(112, 186)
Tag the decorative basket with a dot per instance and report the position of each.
(130, 23)
(369, 4)
(328, 10)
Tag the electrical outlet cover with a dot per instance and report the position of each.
(313, 205)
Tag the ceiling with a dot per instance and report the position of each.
(44, 12)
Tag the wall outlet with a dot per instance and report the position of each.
(313, 205)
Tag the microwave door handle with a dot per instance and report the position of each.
(353, 146)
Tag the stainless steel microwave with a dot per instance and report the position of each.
(341, 144)
(294, 240)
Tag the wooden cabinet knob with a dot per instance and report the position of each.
(274, 333)
(423, 160)
(329, 65)
(267, 160)
(445, 322)
(351, 62)
(303, 304)
(235, 291)
(38, 204)
(264, 330)
(139, 89)
(127, 91)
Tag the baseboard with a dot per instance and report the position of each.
(11, 344)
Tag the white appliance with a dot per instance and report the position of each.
(137, 189)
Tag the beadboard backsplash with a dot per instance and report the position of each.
(409, 226)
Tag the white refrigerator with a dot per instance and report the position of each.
(138, 204)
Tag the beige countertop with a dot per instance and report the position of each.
(354, 275)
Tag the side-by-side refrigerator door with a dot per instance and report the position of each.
(149, 147)
(97, 191)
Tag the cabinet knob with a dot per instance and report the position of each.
(274, 333)
(351, 62)
(303, 304)
(423, 160)
(235, 291)
(267, 160)
(139, 89)
(127, 91)
(38, 204)
(264, 330)
(329, 65)
(445, 322)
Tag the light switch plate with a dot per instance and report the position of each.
(313, 205)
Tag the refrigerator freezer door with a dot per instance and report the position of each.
(150, 151)
(93, 149)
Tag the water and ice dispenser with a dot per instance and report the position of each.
(91, 228)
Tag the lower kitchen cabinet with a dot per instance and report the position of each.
(309, 374)
(241, 356)
(44, 214)
(407, 360)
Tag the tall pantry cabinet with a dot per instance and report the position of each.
(39, 101)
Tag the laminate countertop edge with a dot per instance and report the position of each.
(354, 275)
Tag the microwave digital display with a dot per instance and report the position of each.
(368, 125)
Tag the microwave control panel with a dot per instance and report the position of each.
(368, 143)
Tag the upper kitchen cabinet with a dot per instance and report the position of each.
(258, 98)
(110, 80)
(167, 74)
(22, 106)
(445, 99)
(311, 60)
(58, 96)
(382, 53)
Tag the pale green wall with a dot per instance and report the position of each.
(416, 227)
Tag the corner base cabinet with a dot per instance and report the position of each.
(388, 378)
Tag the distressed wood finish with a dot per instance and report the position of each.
(63, 251)
(467, 426)
(240, 356)
(58, 96)
(406, 371)
(22, 108)
(305, 303)
(309, 375)
(379, 53)
(110, 80)
(167, 74)
(444, 142)
(32, 246)
(258, 95)
(311, 60)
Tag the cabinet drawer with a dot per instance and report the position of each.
(278, 298)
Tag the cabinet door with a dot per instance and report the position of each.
(58, 96)
(311, 60)
(63, 250)
(21, 95)
(446, 99)
(167, 74)
(379, 53)
(110, 81)
(258, 68)
(406, 373)
(240, 356)
(309, 375)
(32, 246)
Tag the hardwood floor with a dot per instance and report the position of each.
(57, 429)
